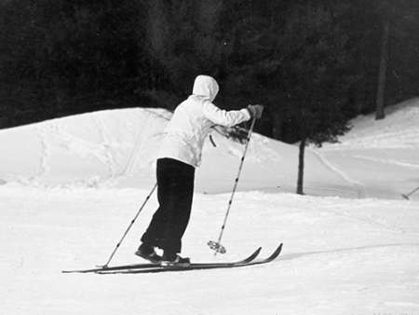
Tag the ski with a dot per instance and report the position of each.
(151, 265)
(158, 269)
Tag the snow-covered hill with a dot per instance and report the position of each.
(400, 129)
(117, 148)
(69, 188)
(382, 156)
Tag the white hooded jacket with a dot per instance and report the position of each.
(192, 120)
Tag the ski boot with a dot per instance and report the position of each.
(171, 259)
(147, 252)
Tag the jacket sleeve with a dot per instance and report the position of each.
(223, 117)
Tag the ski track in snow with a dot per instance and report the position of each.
(359, 187)
(43, 162)
(386, 161)
(384, 140)
(109, 161)
(131, 160)
(399, 129)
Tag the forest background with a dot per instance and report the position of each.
(313, 64)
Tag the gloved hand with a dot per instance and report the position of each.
(255, 111)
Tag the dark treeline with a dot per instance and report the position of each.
(314, 64)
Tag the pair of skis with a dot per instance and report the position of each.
(155, 268)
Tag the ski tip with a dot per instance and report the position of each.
(276, 253)
(278, 250)
(253, 256)
(257, 252)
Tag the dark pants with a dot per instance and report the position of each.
(175, 185)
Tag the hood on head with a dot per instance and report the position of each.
(205, 86)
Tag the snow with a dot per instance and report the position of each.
(69, 188)
(382, 155)
(117, 148)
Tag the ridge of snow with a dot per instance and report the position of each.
(381, 155)
(117, 148)
(399, 129)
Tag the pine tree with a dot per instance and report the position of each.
(296, 58)
(184, 42)
(316, 70)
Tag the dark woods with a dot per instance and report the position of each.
(314, 64)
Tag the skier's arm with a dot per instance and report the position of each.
(223, 117)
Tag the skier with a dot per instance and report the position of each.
(179, 155)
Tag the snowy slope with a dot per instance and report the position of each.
(400, 129)
(69, 188)
(382, 156)
(117, 148)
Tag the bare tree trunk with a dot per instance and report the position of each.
(379, 114)
(300, 180)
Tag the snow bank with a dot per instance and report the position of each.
(399, 130)
(117, 148)
(89, 149)
(383, 155)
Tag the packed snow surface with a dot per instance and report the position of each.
(382, 156)
(69, 188)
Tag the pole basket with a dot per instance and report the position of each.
(406, 196)
(217, 247)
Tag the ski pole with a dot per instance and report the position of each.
(130, 225)
(406, 196)
(216, 246)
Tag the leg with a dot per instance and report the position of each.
(157, 226)
(180, 207)
(175, 181)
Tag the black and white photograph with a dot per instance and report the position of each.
(209, 157)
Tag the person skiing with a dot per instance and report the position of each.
(179, 155)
